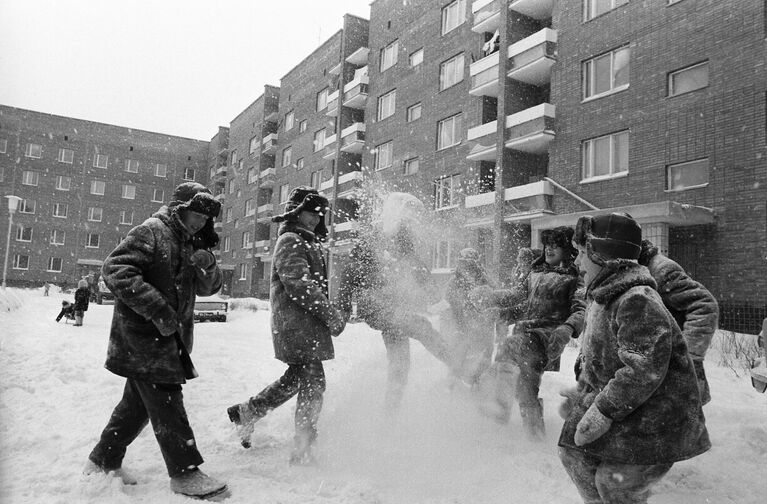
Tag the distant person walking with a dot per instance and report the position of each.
(82, 298)
(46, 288)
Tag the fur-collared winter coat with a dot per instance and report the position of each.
(301, 310)
(82, 298)
(694, 308)
(155, 284)
(636, 369)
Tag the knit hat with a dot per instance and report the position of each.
(306, 199)
(83, 283)
(561, 236)
(611, 236)
(196, 197)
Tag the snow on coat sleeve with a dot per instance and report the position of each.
(292, 267)
(644, 339)
(577, 306)
(209, 280)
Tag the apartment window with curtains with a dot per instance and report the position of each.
(290, 120)
(688, 79)
(30, 178)
(453, 15)
(98, 187)
(451, 72)
(387, 104)
(322, 100)
(446, 191)
(449, 132)
(384, 155)
(20, 261)
(23, 233)
(606, 156)
(160, 170)
(131, 165)
(594, 8)
(243, 271)
(100, 161)
(34, 151)
(63, 183)
(389, 56)
(54, 264)
(607, 73)
(66, 156)
(57, 237)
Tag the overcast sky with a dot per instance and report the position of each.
(180, 67)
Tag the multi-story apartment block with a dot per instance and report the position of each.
(83, 186)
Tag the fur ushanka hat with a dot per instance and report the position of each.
(611, 236)
(306, 199)
(196, 197)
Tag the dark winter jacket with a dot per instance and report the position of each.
(301, 310)
(82, 296)
(155, 284)
(694, 308)
(388, 289)
(636, 369)
(67, 311)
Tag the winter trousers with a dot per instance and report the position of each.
(307, 379)
(79, 314)
(528, 351)
(142, 402)
(602, 482)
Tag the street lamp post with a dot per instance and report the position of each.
(13, 204)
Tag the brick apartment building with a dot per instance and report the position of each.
(83, 186)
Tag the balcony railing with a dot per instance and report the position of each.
(483, 142)
(326, 185)
(478, 200)
(221, 171)
(353, 138)
(359, 57)
(522, 203)
(270, 116)
(484, 76)
(219, 197)
(329, 146)
(532, 129)
(265, 212)
(356, 91)
(531, 58)
(536, 9)
(266, 177)
(487, 15)
(269, 144)
(332, 109)
(349, 185)
(351, 225)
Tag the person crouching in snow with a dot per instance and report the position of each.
(155, 274)
(82, 296)
(302, 321)
(67, 310)
(637, 409)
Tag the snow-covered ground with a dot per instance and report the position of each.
(55, 397)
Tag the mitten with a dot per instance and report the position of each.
(203, 259)
(592, 426)
(700, 374)
(337, 323)
(567, 405)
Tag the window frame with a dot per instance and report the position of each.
(322, 99)
(62, 158)
(89, 240)
(290, 120)
(54, 235)
(128, 165)
(123, 215)
(20, 231)
(592, 154)
(389, 147)
(51, 268)
(92, 211)
(154, 195)
(387, 102)
(284, 197)
(418, 53)
(388, 56)
(409, 112)
(453, 191)
(458, 8)
(17, 262)
(457, 131)
(33, 174)
(444, 73)
(164, 170)
(670, 76)
(60, 186)
(227, 244)
(406, 171)
(24, 205)
(287, 156)
(56, 210)
(3, 145)
(588, 8)
(671, 166)
(187, 171)
(96, 161)
(28, 151)
(103, 187)
(589, 74)
(125, 190)
(316, 145)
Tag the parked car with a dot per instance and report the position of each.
(210, 308)
(103, 293)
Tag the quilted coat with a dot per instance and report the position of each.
(636, 369)
(155, 284)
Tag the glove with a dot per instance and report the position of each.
(700, 374)
(592, 426)
(203, 259)
(482, 297)
(337, 323)
(567, 405)
(166, 321)
(558, 339)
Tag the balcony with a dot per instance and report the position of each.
(332, 109)
(484, 76)
(532, 129)
(336, 69)
(351, 225)
(326, 185)
(266, 177)
(270, 116)
(356, 91)
(218, 226)
(531, 59)
(329, 147)
(483, 143)
(220, 171)
(359, 57)
(487, 15)
(349, 185)
(525, 202)
(479, 200)
(353, 138)
(536, 9)
(265, 212)
(263, 248)
(269, 144)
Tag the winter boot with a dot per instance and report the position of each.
(93, 468)
(244, 418)
(198, 485)
(303, 453)
(532, 420)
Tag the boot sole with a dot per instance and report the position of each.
(234, 413)
(215, 496)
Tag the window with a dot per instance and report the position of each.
(688, 79)
(446, 191)
(54, 264)
(384, 155)
(286, 156)
(98, 187)
(389, 56)
(227, 244)
(3, 145)
(243, 271)
(250, 207)
(232, 186)
(234, 158)
(322, 100)
(158, 195)
(126, 217)
(284, 192)
(319, 140)
(451, 72)
(60, 210)
(188, 173)
(386, 104)
(594, 8)
(606, 73)
(253, 145)
(23, 233)
(229, 214)
(31, 178)
(20, 261)
(2, 173)
(449, 132)
(252, 175)
(246, 241)
(34, 151)
(92, 241)
(129, 191)
(443, 256)
(66, 156)
(131, 165)
(290, 120)
(63, 183)
(416, 58)
(316, 179)
(27, 206)
(414, 112)
(58, 237)
(299, 163)
(411, 166)
(95, 214)
(606, 156)
(688, 175)
(100, 161)
(302, 126)
(160, 170)
(453, 15)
